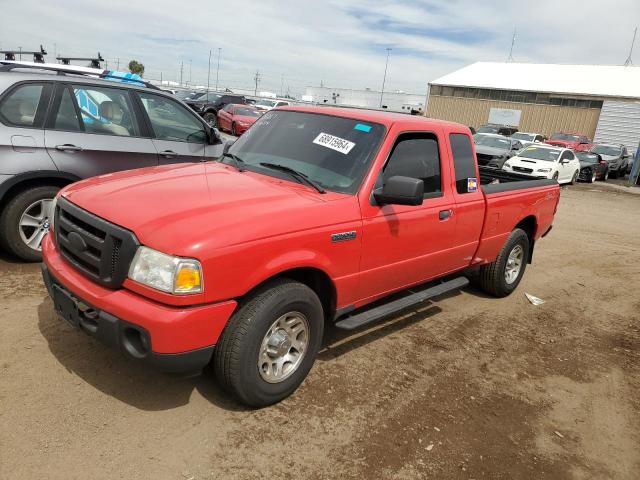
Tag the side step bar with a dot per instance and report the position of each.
(373, 315)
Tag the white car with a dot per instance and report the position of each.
(545, 161)
(267, 104)
(527, 138)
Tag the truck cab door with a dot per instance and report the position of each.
(404, 245)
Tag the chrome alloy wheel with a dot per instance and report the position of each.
(514, 264)
(34, 222)
(283, 347)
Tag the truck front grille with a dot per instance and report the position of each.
(99, 249)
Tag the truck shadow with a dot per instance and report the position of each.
(129, 381)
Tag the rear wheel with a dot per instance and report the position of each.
(270, 343)
(501, 277)
(25, 221)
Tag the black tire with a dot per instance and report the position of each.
(574, 178)
(211, 118)
(556, 176)
(492, 276)
(236, 356)
(593, 178)
(10, 221)
(613, 174)
(606, 176)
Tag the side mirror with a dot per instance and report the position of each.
(400, 191)
(227, 145)
(213, 136)
(564, 161)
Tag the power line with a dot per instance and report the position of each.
(384, 79)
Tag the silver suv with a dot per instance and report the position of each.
(57, 127)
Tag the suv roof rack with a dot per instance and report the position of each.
(95, 62)
(61, 70)
(38, 56)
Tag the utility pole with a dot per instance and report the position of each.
(190, 62)
(218, 68)
(20, 48)
(181, 68)
(256, 79)
(281, 85)
(118, 64)
(55, 51)
(209, 73)
(628, 61)
(160, 78)
(384, 79)
(513, 42)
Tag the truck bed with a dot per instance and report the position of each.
(493, 180)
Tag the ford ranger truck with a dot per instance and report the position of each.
(306, 220)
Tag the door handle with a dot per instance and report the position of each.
(67, 147)
(169, 154)
(444, 214)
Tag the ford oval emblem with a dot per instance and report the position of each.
(77, 242)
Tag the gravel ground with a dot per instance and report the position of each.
(470, 387)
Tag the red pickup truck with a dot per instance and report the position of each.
(307, 219)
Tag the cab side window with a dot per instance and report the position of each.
(19, 108)
(567, 155)
(171, 121)
(464, 162)
(416, 155)
(106, 111)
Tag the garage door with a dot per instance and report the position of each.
(619, 123)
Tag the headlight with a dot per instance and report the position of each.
(506, 165)
(165, 272)
(544, 170)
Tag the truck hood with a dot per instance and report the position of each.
(191, 208)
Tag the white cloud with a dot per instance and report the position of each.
(339, 42)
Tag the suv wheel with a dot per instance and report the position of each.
(270, 343)
(211, 118)
(25, 221)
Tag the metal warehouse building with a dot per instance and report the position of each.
(602, 102)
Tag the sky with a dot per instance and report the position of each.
(299, 43)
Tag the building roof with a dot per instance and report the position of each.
(597, 80)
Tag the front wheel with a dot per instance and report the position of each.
(555, 176)
(270, 343)
(25, 221)
(593, 178)
(502, 276)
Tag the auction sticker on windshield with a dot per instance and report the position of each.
(334, 143)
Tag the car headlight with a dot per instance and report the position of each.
(167, 273)
(506, 165)
(544, 170)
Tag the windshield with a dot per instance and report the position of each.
(334, 152)
(495, 142)
(247, 112)
(587, 157)
(487, 129)
(185, 95)
(529, 137)
(266, 103)
(566, 137)
(538, 153)
(606, 150)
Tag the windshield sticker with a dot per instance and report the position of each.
(334, 143)
(362, 127)
(472, 184)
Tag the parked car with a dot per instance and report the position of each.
(592, 167)
(493, 150)
(497, 129)
(616, 156)
(209, 104)
(575, 141)
(57, 129)
(236, 119)
(307, 221)
(527, 138)
(545, 161)
(266, 104)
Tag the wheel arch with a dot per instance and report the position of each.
(530, 226)
(21, 182)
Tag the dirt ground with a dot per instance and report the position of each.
(468, 388)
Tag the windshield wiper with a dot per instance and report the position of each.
(301, 177)
(237, 161)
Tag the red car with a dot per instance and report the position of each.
(308, 221)
(575, 141)
(236, 118)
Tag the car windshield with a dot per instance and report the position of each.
(606, 150)
(487, 129)
(334, 152)
(529, 137)
(266, 103)
(539, 153)
(587, 157)
(495, 142)
(566, 137)
(185, 95)
(247, 112)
